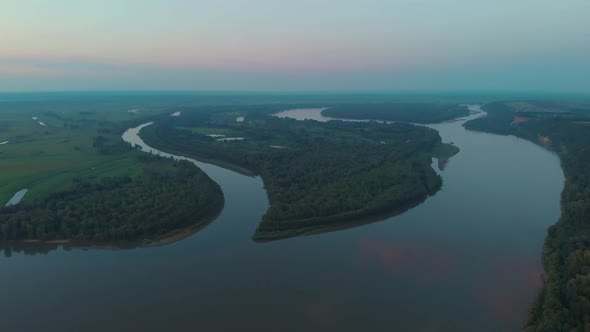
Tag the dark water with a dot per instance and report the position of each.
(467, 259)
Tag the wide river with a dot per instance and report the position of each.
(467, 259)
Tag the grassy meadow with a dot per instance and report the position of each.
(50, 158)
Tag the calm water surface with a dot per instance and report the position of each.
(468, 259)
(17, 197)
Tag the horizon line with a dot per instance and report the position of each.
(336, 91)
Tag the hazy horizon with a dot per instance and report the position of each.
(375, 46)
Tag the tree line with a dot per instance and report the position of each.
(145, 207)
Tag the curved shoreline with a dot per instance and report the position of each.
(131, 136)
(551, 281)
(343, 223)
(311, 225)
(482, 260)
(165, 239)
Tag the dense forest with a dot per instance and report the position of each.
(402, 112)
(167, 197)
(564, 303)
(85, 184)
(317, 175)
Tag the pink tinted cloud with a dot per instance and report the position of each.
(59, 67)
(25, 71)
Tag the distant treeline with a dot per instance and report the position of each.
(564, 302)
(401, 112)
(168, 196)
(322, 175)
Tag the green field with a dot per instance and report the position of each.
(47, 159)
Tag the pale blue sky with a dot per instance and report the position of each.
(297, 45)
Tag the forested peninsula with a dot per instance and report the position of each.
(319, 176)
(162, 202)
(399, 111)
(88, 187)
(564, 302)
